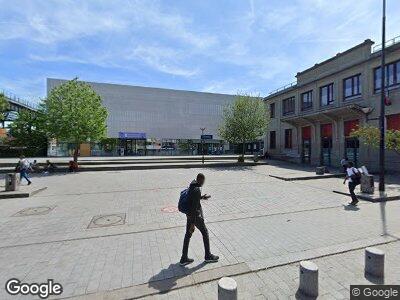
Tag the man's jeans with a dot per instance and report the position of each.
(24, 174)
(199, 223)
(352, 187)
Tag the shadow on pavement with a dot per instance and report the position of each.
(351, 207)
(163, 284)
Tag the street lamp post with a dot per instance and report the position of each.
(382, 112)
(202, 144)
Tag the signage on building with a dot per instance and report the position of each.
(132, 135)
(206, 136)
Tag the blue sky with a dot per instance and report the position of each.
(213, 46)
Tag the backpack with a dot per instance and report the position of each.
(356, 177)
(183, 204)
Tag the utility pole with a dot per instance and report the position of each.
(382, 115)
(202, 144)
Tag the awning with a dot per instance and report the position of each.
(326, 115)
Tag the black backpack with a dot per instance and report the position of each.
(356, 177)
(183, 204)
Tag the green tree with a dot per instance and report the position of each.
(4, 107)
(245, 120)
(370, 136)
(186, 145)
(74, 113)
(28, 131)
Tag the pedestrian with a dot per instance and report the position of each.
(23, 167)
(344, 163)
(195, 218)
(50, 167)
(353, 177)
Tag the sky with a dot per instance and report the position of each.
(224, 46)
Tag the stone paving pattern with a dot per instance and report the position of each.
(252, 219)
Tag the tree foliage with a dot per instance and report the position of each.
(28, 131)
(4, 107)
(370, 136)
(244, 120)
(74, 113)
(186, 145)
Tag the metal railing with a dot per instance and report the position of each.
(388, 43)
(11, 96)
(283, 88)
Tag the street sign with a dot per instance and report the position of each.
(132, 135)
(206, 136)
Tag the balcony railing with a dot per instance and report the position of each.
(17, 100)
(388, 43)
(283, 88)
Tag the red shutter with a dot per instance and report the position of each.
(393, 122)
(349, 126)
(306, 132)
(326, 130)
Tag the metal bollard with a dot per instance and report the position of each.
(308, 278)
(367, 184)
(227, 289)
(374, 262)
(11, 182)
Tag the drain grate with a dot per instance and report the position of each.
(107, 220)
(33, 211)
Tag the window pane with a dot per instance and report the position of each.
(324, 96)
(390, 74)
(378, 78)
(348, 87)
(398, 72)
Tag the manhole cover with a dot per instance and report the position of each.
(32, 211)
(107, 220)
(169, 209)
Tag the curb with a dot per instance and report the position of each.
(20, 194)
(152, 167)
(307, 177)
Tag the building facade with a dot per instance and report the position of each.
(158, 121)
(312, 119)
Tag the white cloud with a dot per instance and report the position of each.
(162, 59)
(255, 45)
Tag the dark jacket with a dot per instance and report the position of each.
(194, 200)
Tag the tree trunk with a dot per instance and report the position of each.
(244, 150)
(76, 152)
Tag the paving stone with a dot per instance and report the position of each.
(254, 222)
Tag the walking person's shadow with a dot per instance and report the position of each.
(167, 278)
(350, 207)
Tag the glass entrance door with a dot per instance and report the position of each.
(352, 149)
(306, 152)
(326, 147)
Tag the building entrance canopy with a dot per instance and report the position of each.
(327, 116)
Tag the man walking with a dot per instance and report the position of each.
(353, 178)
(195, 218)
(23, 167)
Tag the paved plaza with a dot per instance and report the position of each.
(117, 234)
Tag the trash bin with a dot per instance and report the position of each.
(367, 184)
(320, 170)
(12, 183)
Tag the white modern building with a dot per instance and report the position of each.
(147, 119)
